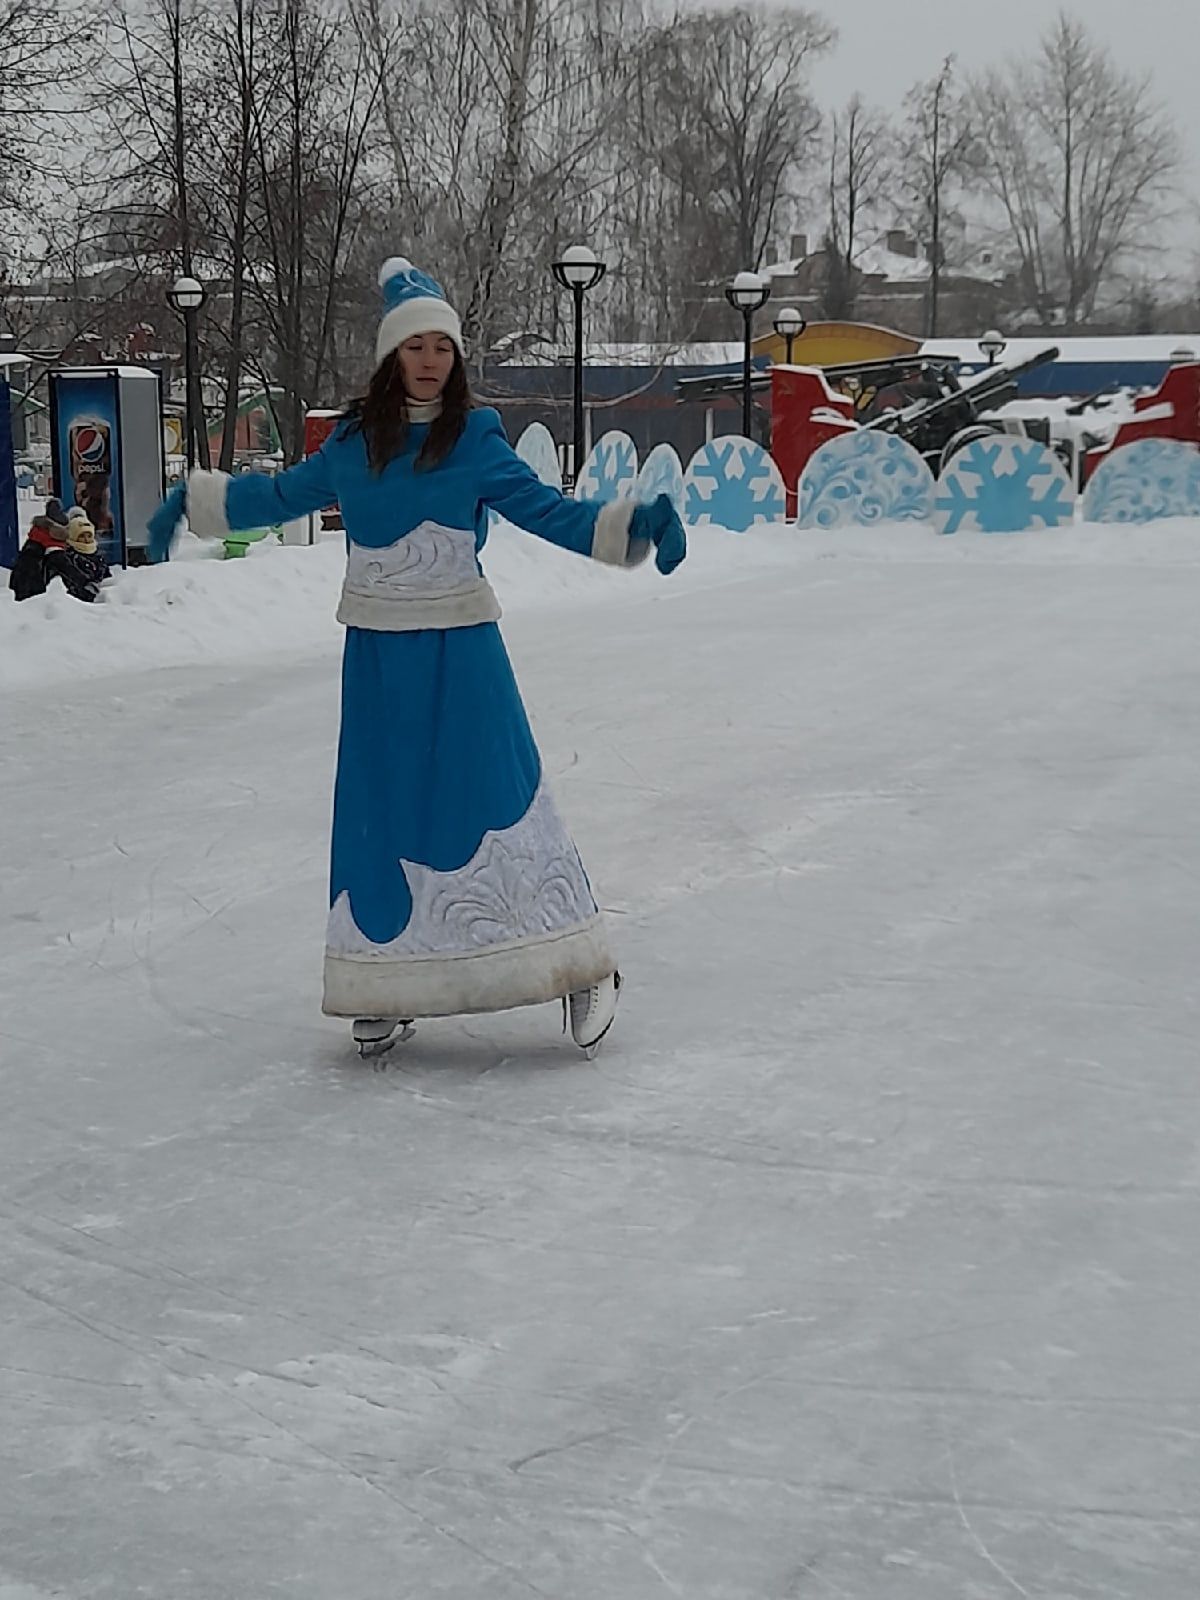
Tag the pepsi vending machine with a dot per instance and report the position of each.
(106, 444)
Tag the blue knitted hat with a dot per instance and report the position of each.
(413, 303)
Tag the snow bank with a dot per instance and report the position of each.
(281, 600)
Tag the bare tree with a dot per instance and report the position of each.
(859, 161)
(528, 93)
(152, 145)
(936, 143)
(307, 202)
(30, 62)
(1080, 156)
(237, 65)
(731, 119)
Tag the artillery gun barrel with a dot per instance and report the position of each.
(994, 379)
(973, 394)
(896, 367)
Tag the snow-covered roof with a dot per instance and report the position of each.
(107, 370)
(709, 354)
(878, 261)
(1158, 347)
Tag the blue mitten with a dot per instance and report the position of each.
(661, 525)
(164, 522)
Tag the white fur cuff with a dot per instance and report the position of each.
(206, 504)
(611, 542)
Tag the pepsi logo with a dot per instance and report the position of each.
(90, 445)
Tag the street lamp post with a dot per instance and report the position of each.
(747, 293)
(790, 326)
(186, 295)
(993, 345)
(578, 269)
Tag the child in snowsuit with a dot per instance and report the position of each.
(80, 566)
(31, 573)
(455, 885)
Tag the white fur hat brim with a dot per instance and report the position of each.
(413, 317)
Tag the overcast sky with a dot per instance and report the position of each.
(885, 45)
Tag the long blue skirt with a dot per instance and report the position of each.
(454, 885)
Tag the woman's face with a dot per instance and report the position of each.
(426, 362)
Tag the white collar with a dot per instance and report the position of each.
(423, 410)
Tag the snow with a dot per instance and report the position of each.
(1099, 350)
(1117, 407)
(874, 260)
(116, 369)
(544, 352)
(278, 602)
(710, 353)
(859, 1266)
(878, 261)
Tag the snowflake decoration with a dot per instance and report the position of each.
(536, 447)
(1143, 481)
(1004, 486)
(662, 473)
(733, 483)
(863, 478)
(609, 472)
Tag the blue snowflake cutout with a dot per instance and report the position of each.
(1004, 485)
(609, 472)
(733, 483)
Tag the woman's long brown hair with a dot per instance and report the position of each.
(381, 416)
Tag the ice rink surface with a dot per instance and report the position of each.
(861, 1265)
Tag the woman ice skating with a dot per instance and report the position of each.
(454, 887)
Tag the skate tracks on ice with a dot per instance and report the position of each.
(860, 1265)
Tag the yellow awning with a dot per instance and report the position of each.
(829, 344)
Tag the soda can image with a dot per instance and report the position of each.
(90, 446)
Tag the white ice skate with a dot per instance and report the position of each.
(592, 1012)
(376, 1035)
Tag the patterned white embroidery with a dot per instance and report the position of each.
(523, 882)
(429, 561)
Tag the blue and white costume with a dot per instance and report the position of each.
(455, 886)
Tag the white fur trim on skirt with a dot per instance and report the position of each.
(527, 972)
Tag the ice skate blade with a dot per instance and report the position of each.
(591, 1051)
(379, 1047)
(369, 1049)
